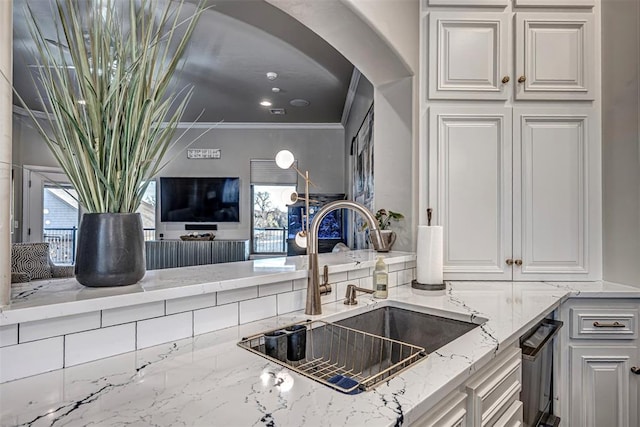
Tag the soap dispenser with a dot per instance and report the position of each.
(380, 279)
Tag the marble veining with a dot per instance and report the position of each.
(209, 380)
(60, 297)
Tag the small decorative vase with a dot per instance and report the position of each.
(110, 250)
(389, 238)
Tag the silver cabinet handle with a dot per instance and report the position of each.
(608, 325)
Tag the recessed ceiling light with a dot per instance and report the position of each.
(266, 103)
(271, 75)
(278, 111)
(299, 102)
(275, 89)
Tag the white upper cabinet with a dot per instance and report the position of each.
(471, 162)
(518, 197)
(471, 55)
(554, 56)
(468, 55)
(555, 195)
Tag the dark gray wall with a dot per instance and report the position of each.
(621, 140)
(320, 151)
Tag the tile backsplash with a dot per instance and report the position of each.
(31, 348)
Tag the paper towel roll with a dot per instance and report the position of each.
(429, 255)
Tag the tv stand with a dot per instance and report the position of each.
(177, 253)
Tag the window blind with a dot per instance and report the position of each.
(267, 172)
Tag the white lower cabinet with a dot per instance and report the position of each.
(451, 411)
(598, 385)
(489, 398)
(601, 385)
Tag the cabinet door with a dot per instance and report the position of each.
(554, 56)
(556, 195)
(468, 55)
(603, 391)
(470, 154)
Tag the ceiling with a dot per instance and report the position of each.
(235, 44)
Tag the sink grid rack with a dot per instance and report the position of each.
(345, 359)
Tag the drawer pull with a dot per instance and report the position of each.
(635, 370)
(608, 325)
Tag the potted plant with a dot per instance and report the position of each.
(104, 84)
(385, 218)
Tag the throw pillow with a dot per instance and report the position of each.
(31, 258)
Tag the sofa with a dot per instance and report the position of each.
(32, 261)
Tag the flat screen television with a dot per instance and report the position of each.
(188, 199)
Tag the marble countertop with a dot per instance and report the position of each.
(209, 380)
(43, 299)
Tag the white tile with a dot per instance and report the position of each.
(275, 288)
(405, 276)
(393, 279)
(31, 331)
(396, 266)
(331, 297)
(23, 360)
(300, 284)
(194, 302)
(117, 316)
(214, 318)
(338, 277)
(410, 264)
(366, 282)
(164, 329)
(259, 308)
(8, 335)
(356, 274)
(341, 289)
(236, 295)
(100, 343)
(291, 301)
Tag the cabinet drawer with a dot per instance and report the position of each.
(495, 389)
(451, 412)
(512, 417)
(603, 323)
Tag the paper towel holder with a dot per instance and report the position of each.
(428, 287)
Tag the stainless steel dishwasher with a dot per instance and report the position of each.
(537, 374)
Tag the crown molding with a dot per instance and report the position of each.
(208, 125)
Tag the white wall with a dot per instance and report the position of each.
(381, 39)
(621, 140)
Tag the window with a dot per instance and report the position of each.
(270, 218)
(60, 213)
(147, 211)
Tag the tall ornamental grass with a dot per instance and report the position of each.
(104, 85)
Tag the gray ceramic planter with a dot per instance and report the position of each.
(110, 250)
